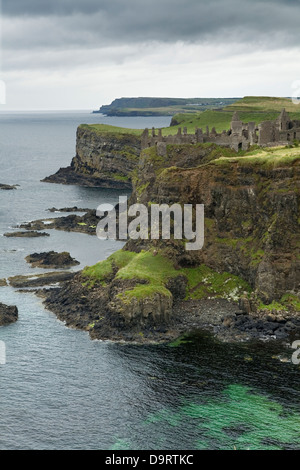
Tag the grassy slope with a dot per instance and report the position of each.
(111, 130)
(256, 109)
(268, 157)
(157, 270)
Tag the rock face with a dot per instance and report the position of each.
(102, 160)
(8, 314)
(51, 260)
(251, 217)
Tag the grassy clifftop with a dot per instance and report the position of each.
(251, 109)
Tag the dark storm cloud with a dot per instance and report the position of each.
(63, 7)
(99, 23)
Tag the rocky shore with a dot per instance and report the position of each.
(39, 280)
(242, 285)
(69, 175)
(86, 223)
(93, 309)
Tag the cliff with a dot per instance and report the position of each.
(252, 207)
(250, 257)
(104, 158)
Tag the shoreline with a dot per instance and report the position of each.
(90, 310)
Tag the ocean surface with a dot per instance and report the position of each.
(61, 390)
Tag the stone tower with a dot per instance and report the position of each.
(236, 124)
(283, 121)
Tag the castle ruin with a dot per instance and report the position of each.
(241, 136)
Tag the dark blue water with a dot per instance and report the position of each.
(60, 390)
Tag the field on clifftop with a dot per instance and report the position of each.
(250, 109)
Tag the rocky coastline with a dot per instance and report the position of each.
(93, 310)
(68, 175)
(242, 285)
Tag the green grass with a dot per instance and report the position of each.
(107, 129)
(156, 270)
(203, 282)
(251, 109)
(264, 104)
(290, 299)
(101, 271)
(268, 158)
(278, 306)
(286, 302)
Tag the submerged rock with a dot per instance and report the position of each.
(38, 280)
(7, 187)
(28, 234)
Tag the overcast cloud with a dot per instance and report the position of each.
(135, 38)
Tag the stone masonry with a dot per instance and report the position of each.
(241, 136)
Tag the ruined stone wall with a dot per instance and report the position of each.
(240, 137)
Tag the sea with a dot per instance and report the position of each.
(60, 390)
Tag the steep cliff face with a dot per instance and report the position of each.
(252, 207)
(103, 159)
(106, 155)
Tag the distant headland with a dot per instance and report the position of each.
(161, 106)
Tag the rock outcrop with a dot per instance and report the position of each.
(103, 160)
(51, 260)
(7, 187)
(251, 215)
(8, 314)
(28, 234)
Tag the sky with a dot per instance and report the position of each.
(71, 54)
